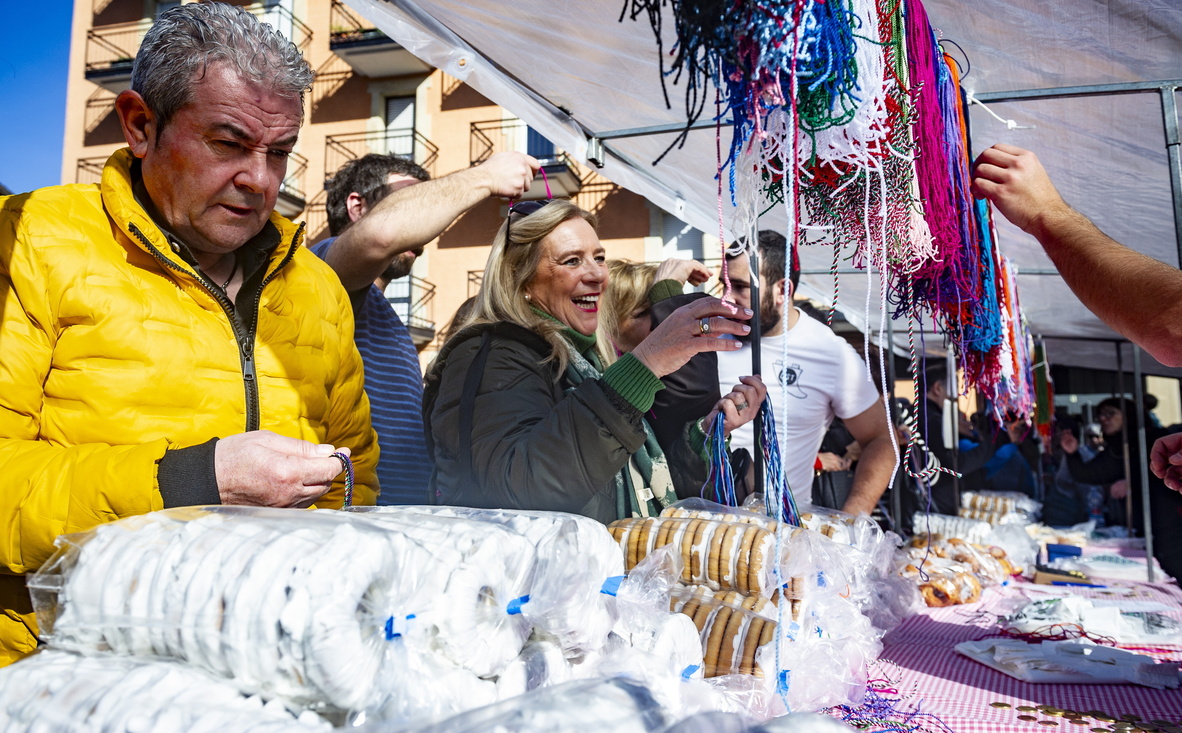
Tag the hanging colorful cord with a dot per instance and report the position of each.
(720, 482)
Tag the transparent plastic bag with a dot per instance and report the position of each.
(285, 603)
(581, 706)
(476, 582)
(61, 691)
(575, 557)
(722, 555)
(824, 658)
(941, 581)
(999, 507)
(945, 525)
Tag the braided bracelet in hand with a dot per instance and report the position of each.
(347, 465)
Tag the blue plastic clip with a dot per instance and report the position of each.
(689, 671)
(516, 604)
(784, 680)
(611, 586)
(396, 626)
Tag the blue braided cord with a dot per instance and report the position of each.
(777, 483)
(720, 479)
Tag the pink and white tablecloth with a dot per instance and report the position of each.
(919, 658)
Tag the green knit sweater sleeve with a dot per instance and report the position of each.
(633, 381)
(664, 289)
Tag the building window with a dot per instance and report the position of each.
(400, 126)
(165, 5)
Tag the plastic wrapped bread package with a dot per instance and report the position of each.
(722, 555)
(422, 686)
(477, 577)
(61, 691)
(540, 664)
(581, 706)
(284, 603)
(824, 658)
(645, 622)
(575, 557)
(945, 525)
(999, 507)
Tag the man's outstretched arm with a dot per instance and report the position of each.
(412, 216)
(873, 472)
(1136, 295)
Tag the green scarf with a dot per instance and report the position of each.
(644, 486)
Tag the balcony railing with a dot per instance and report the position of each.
(346, 27)
(316, 218)
(475, 278)
(90, 170)
(409, 144)
(367, 49)
(292, 198)
(495, 136)
(111, 50)
(413, 299)
(282, 20)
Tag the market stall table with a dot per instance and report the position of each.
(920, 660)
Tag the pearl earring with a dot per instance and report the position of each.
(527, 297)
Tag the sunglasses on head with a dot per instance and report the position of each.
(525, 208)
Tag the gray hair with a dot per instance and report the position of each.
(184, 41)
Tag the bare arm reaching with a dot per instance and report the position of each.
(1136, 295)
(877, 461)
(412, 216)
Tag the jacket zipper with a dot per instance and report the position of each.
(244, 339)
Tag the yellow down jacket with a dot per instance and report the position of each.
(113, 351)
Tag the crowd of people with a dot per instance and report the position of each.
(569, 383)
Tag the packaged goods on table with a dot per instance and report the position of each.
(575, 557)
(952, 571)
(283, 603)
(764, 604)
(61, 691)
(999, 507)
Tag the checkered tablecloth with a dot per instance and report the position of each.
(919, 658)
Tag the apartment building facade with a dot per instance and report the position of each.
(370, 95)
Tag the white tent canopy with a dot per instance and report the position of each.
(574, 72)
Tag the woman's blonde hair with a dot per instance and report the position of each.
(627, 289)
(511, 267)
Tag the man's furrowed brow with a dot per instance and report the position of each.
(236, 132)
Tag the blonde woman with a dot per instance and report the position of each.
(522, 413)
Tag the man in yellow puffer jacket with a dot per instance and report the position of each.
(165, 338)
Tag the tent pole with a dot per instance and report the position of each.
(1124, 434)
(1169, 110)
(757, 361)
(1139, 398)
(900, 472)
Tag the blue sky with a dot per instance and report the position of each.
(34, 52)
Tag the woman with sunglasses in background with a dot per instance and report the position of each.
(520, 412)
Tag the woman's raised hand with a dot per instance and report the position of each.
(692, 329)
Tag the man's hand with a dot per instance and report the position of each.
(1165, 460)
(1068, 442)
(1017, 184)
(748, 395)
(1119, 489)
(261, 468)
(508, 174)
(683, 271)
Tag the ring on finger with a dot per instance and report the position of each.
(704, 325)
(740, 406)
